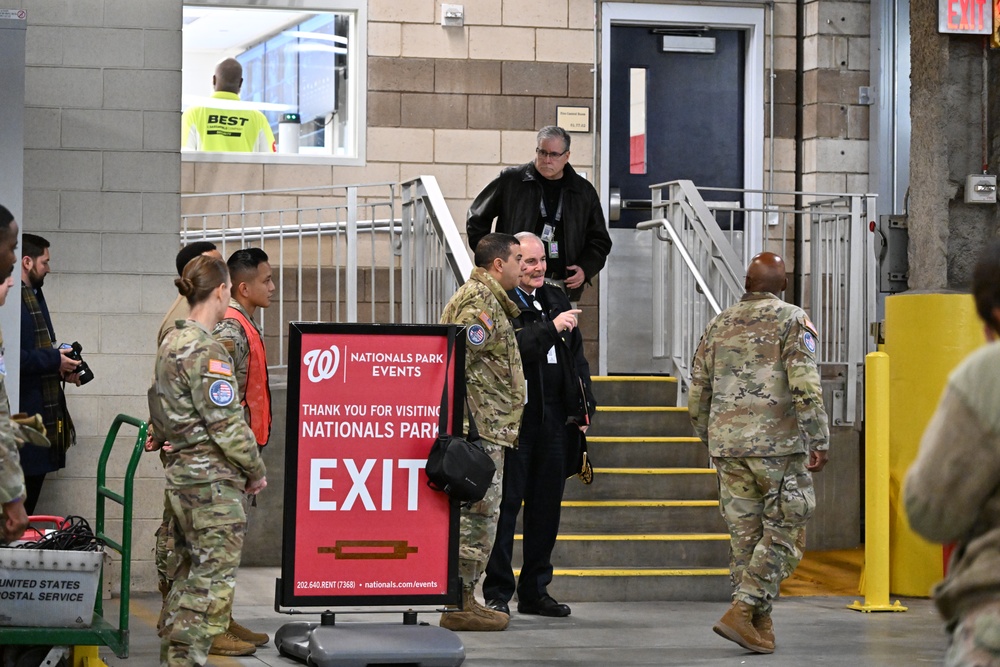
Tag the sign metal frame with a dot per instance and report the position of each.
(299, 333)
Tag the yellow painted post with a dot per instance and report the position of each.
(876, 572)
(87, 656)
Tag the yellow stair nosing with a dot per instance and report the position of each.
(655, 471)
(633, 378)
(640, 408)
(640, 503)
(643, 438)
(667, 537)
(642, 572)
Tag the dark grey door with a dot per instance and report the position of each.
(674, 115)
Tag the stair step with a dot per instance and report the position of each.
(638, 420)
(640, 516)
(634, 389)
(627, 483)
(636, 551)
(617, 451)
(640, 584)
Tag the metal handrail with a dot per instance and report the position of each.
(400, 235)
(702, 247)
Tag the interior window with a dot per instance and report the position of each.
(301, 69)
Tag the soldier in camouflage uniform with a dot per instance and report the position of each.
(12, 491)
(756, 401)
(951, 492)
(238, 332)
(210, 461)
(494, 380)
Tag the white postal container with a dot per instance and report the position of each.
(47, 588)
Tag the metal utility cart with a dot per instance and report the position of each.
(101, 632)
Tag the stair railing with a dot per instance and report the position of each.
(376, 252)
(698, 270)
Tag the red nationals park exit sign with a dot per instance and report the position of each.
(361, 526)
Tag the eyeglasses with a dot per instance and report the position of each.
(546, 154)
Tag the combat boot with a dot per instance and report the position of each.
(474, 617)
(246, 634)
(229, 644)
(736, 625)
(762, 624)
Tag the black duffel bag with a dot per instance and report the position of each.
(460, 467)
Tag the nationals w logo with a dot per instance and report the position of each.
(322, 364)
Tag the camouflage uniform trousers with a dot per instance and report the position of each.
(975, 641)
(208, 526)
(478, 523)
(164, 554)
(766, 502)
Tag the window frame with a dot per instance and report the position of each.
(357, 82)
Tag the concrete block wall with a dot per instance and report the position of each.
(101, 182)
(835, 125)
(468, 101)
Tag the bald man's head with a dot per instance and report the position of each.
(228, 76)
(766, 273)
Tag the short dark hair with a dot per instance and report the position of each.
(33, 245)
(494, 246)
(190, 251)
(986, 284)
(244, 262)
(6, 217)
(554, 132)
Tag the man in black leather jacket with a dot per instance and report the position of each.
(547, 197)
(558, 410)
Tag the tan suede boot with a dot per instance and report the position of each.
(474, 617)
(246, 634)
(762, 624)
(736, 625)
(229, 644)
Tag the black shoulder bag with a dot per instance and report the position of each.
(458, 466)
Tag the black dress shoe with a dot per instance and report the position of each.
(543, 606)
(498, 605)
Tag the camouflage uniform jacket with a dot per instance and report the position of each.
(230, 333)
(11, 476)
(494, 376)
(204, 421)
(951, 492)
(755, 388)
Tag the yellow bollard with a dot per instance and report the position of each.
(87, 656)
(876, 571)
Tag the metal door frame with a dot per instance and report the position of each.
(749, 19)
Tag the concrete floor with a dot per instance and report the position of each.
(810, 631)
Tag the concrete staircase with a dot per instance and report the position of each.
(648, 528)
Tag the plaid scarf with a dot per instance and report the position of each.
(58, 424)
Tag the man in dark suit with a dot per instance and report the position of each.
(44, 368)
(557, 412)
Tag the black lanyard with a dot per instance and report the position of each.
(559, 206)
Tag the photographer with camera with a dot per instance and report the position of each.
(44, 367)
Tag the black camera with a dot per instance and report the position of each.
(83, 370)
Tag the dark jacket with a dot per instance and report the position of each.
(536, 335)
(36, 362)
(513, 198)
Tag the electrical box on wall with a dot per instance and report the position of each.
(893, 263)
(981, 189)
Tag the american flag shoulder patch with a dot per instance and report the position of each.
(219, 367)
